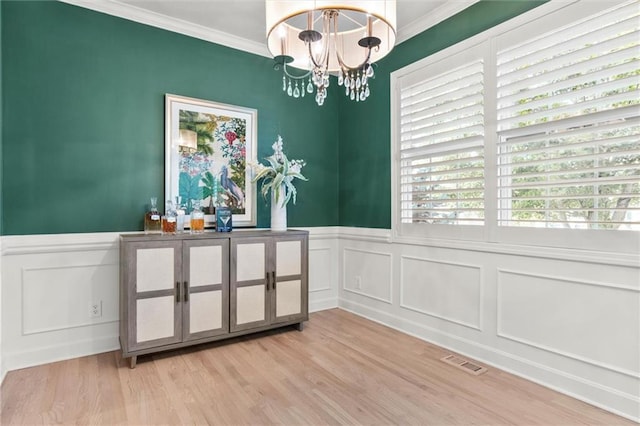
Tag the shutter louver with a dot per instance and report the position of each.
(442, 148)
(569, 126)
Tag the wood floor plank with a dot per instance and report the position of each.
(342, 369)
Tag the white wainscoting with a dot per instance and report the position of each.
(50, 281)
(566, 319)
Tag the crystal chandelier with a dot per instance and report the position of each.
(312, 38)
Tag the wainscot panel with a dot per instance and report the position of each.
(51, 282)
(567, 319)
(446, 290)
(367, 274)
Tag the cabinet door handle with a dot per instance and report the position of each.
(273, 280)
(186, 292)
(177, 291)
(267, 277)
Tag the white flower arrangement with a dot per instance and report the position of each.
(279, 175)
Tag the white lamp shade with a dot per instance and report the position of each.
(188, 139)
(282, 35)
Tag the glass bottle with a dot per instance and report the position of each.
(152, 224)
(180, 213)
(169, 219)
(197, 217)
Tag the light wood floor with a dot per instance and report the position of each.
(342, 369)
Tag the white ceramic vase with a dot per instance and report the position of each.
(278, 212)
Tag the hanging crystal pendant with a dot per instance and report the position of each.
(364, 78)
(340, 79)
(284, 84)
(352, 95)
(289, 89)
(367, 92)
(302, 91)
(296, 91)
(358, 82)
(309, 86)
(369, 71)
(346, 90)
(362, 96)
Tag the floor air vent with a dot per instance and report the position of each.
(465, 365)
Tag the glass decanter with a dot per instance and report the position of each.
(197, 217)
(169, 220)
(181, 211)
(152, 223)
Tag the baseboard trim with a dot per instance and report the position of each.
(62, 352)
(323, 304)
(622, 404)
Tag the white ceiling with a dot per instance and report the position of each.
(241, 23)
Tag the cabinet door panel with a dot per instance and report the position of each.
(250, 304)
(250, 261)
(154, 269)
(288, 258)
(154, 319)
(249, 298)
(206, 272)
(153, 277)
(205, 311)
(288, 298)
(205, 265)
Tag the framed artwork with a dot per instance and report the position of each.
(207, 147)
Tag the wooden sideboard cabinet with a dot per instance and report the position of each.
(184, 289)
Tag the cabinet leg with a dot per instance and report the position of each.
(132, 361)
(299, 326)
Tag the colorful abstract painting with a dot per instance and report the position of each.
(214, 172)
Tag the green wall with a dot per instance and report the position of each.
(83, 134)
(82, 145)
(365, 129)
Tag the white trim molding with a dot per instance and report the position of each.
(158, 20)
(147, 17)
(423, 23)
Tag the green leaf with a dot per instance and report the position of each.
(188, 187)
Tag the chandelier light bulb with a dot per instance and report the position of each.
(282, 31)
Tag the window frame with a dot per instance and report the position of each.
(549, 15)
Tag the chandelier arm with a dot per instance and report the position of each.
(341, 61)
(344, 65)
(295, 77)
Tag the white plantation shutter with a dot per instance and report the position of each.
(442, 147)
(568, 115)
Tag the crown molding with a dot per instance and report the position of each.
(147, 17)
(425, 22)
(143, 16)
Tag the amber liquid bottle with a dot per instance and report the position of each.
(197, 218)
(152, 223)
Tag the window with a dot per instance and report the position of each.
(529, 132)
(442, 148)
(568, 126)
